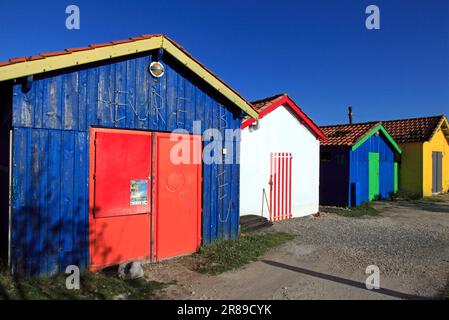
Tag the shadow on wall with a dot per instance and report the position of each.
(45, 240)
(43, 249)
(49, 195)
(4, 214)
(5, 126)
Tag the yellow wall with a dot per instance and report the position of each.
(411, 168)
(438, 143)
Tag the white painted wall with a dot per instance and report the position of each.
(279, 131)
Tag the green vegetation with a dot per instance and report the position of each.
(232, 254)
(212, 259)
(417, 199)
(93, 286)
(428, 201)
(365, 209)
(405, 196)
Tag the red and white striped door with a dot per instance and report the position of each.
(280, 186)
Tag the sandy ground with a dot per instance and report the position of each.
(328, 258)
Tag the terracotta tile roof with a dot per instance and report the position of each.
(413, 130)
(261, 104)
(267, 105)
(346, 134)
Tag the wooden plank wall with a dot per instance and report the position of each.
(51, 151)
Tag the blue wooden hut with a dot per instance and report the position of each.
(358, 163)
(71, 127)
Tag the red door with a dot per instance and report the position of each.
(119, 199)
(122, 191)
(280, 186)
(177, 197)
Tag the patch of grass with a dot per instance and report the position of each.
(223, 256)
(417, 199)
(365, 209)
(93, 286)
(429, 201)
(432, 199)
(405, 196)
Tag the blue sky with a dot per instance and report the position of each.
(318, 51)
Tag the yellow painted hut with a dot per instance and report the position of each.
(424, 165)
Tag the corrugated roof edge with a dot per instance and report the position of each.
(25, 66)
(375, 126)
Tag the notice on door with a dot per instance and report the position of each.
(138, 192)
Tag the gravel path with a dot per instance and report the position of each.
(328, 258)
(398, 249)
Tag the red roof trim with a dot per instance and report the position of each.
(17, 60)
(85, 48)
(78, 49)
(35, 58)
(279, 101)
(122, 41)
(100, 45)
(54, 53)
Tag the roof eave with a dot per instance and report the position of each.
(94, 54)
(120, 49)
(370, 133)
(443, 121)
(285, 99)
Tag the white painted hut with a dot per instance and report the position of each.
(279, 161)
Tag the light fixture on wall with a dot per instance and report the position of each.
(254, 126)
(156, 69)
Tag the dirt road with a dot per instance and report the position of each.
(328, 258)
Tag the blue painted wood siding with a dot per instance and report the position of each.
(334, 176)
(359, 170)
(5, 126)
(51, 125)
